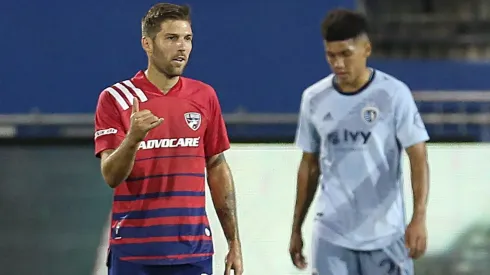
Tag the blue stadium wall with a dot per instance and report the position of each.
(259, 55)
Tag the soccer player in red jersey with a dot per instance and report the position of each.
(157, 135)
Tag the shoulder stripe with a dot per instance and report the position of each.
(118, 98)
(126, 92)
(137, 91)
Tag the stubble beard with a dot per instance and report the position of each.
(165, 67)
(169, 70)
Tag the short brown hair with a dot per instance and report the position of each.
(150, 24)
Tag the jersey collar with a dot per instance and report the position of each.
(142, 82)
(370, 80)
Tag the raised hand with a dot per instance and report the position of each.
(142, 122)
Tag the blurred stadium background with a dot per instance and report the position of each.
(56, 56)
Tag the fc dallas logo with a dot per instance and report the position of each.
(193, 120)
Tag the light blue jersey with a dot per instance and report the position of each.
(359, 138)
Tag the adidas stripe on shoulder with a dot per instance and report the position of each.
(124, 93)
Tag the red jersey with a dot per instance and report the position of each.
(158, 212)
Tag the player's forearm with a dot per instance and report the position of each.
(307, 184)
(118, 165)
(420, 186)
(222, 190)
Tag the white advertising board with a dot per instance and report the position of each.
(265, 178)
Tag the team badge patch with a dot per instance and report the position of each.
(370, 114)
(193, 120)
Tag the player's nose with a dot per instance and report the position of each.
(338, 63)
(182, 51)
(183, 46)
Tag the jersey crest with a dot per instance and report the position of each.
(370, 114)
(193, 120)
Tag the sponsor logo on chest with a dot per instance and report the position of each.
(169, 143)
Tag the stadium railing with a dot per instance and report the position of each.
(458, 116)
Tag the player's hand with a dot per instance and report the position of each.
(142, 122)
(296, 250)
(416, 237)
(234, 260)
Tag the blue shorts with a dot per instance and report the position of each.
(118, 267)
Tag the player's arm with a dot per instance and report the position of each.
(220, 180)
(116, 164)
(307, 139)
(419, 169)
(221, 184)
(116, 150)
(222, 189)
(307, 183)
(412, 135)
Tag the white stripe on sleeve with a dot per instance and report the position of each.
(118, 98)
(141, 95)
(126, 92)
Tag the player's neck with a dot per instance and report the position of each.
(357, 84)
(160, 80)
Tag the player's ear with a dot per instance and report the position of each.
(147, 44)
(367, 48)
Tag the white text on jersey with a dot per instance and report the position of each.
(169, 143)
(110, 131)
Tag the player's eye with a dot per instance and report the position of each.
(346, 53)
(173, 38)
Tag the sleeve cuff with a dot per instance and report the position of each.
(107, 142)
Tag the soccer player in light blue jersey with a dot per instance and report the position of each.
(353, 127)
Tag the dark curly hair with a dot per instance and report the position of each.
(342, 24)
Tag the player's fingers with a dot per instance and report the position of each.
(410, 244)
(146, 121)
(292, 254)
(415, 253)
(227, 268)
(420, 247)
(156, 123)
(136, 105)
(407, 240)
(407, 244)
(304, 263)
(142, 114)
(300, 261)
(148, 118)
(423, 245)
(413, 247)
(238, 270)
(411, 251)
